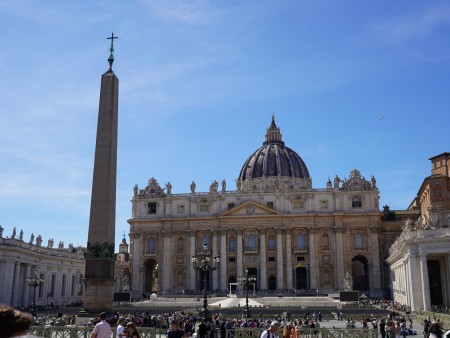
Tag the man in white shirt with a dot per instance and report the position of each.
(272, 331)
(102, 329)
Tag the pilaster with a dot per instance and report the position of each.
(262, 260)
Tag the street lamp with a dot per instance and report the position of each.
(34, 282)
(247, 281)
(202, 261)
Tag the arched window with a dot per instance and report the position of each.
(359, 241)
(204, 241)
(325, 242)
(300, 242)
(151, 246)
(251, 242)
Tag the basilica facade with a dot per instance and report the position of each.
(274, 223)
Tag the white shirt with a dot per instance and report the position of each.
(102, 330)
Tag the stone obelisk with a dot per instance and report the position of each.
(100, 256)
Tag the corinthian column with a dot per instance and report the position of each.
(375, 278)
(223, 258)
(167, 269)
(214, 253)
(280, 275)
(262, 260)
(239, 269)
(288, 259)
(313, 265)
(192, 285)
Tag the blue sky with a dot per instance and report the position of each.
(199, 81)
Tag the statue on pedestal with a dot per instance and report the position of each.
(348, 282)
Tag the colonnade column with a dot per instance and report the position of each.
(15, 289)
(425, 282)
(446, 283)
(223, 259)
(313, 265)
(166, 260)
(288, 260)
(192, 285)
(262, 260)
(215, 273)
(26, 292)
(7, 281)
(239, 266)
(280, 279)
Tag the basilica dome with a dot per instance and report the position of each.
(274, 159)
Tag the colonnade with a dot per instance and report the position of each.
(61, 285)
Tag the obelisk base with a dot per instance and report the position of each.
(98, 294)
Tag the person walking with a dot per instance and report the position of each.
(102, 329)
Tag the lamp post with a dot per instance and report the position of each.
(202, 261)
(247, 281)
(34, 282)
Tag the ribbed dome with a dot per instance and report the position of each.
(274, 159)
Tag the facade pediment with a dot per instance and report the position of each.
(250, 209)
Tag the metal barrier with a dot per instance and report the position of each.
(147, 332)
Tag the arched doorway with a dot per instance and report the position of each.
(150, 276)
(360, 273)
(272, 283)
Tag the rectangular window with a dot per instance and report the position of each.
(271, 259)
(300, 258)
(151, 208)
(232, 245)
(270, 205)
(231, 259)
(298, 205)
(271, 244)
(203, 208)
(356, 202)
(230, 206)
(180, 209)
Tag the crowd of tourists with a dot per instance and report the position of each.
(183, 324)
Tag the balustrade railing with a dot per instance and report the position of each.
(147, 332)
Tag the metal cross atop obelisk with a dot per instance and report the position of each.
(111, 50)
(99, 255)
